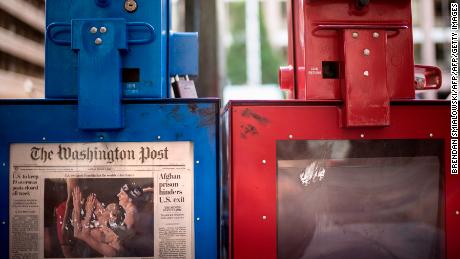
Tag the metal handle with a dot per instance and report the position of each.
(333, 26)
(150, 29)
(62, 27)
(65, 28)
(427, 77)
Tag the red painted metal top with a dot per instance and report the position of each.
(360, 52)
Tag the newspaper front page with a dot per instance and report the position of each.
(85, 200)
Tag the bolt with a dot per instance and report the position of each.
(93, 30)
(98, 41)
(355, 35)
(290, 136)
(103, 29)
(264, 161)
(362, 135)
(375, 35)
(264, 217)
(366, 73)
(197, 161)
(367, 52)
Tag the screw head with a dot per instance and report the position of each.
(367, 52)
(3, 222)
(264, 161)
(101, 137)
(290, 136)
(366, 73)
(158, 137)
(362, 135)
(4, 164)
(197, 161)
(93, 30)
(43, 138)
(103, 29)
(431, 135)
(375, 35)
(98, 41)
(197, 219)
(457, 212)
(130, 5)
(264, 217)
(355, 35)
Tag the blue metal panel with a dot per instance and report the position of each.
(183, 53)
(55, 121)
(99, 101)
(151, 59)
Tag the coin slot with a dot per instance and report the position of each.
(130, 75)
(331, 70)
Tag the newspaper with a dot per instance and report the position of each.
(84, 200)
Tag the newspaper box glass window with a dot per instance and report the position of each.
(58, 208)
(360, 199)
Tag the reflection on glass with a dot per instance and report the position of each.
(360, 199)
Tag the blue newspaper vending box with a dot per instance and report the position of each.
(107, 165)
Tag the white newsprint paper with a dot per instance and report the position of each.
(85, 200)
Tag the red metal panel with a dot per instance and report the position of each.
(299, 48)
(364, 90)
(255, 127)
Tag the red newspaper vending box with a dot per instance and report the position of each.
(354, 166)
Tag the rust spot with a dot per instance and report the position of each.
(174, 113)
(248, 113)
(248, 129)
(193, 107)
(207, 116)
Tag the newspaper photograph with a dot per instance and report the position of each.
(88, 200)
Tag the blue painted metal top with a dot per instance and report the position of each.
(144, 53)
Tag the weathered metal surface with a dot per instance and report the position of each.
(251, 132)
(55, 121)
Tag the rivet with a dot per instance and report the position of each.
(367, 52)
(375, 35)
(264, 161)
(3, 222)
(355, 35)
(362, 135)
(98, 41)
(101, 137)
(264, 217)
(93, 30)
(4, 164)
(197, 219)
(366, 73)
(197, 161)
(457, 212)
(431, 135)
(43, 138)
(290, 136)
(103, 29)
